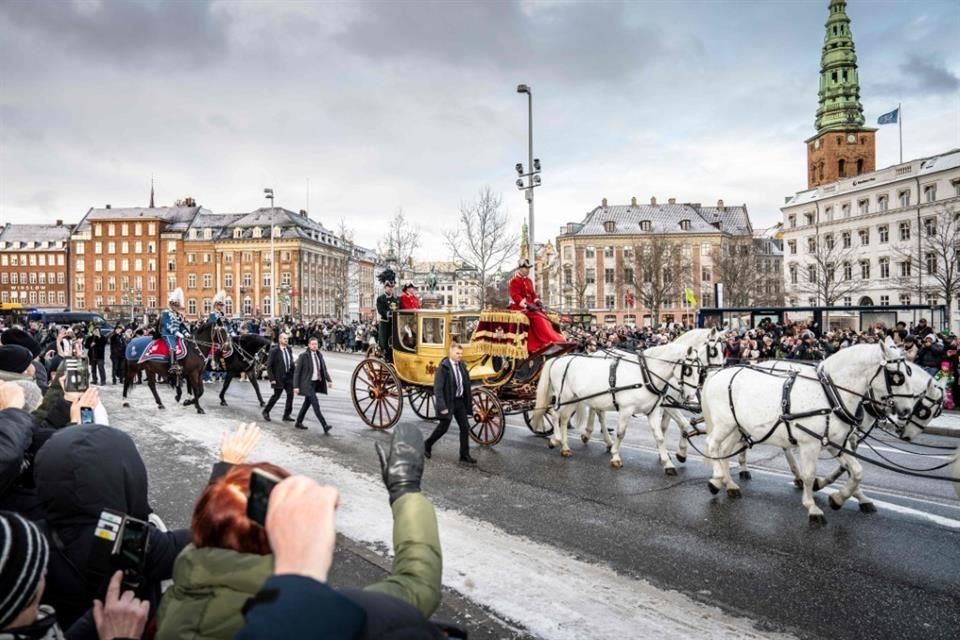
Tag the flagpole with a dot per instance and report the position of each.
(900, 126)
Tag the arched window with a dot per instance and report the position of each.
(842, 168)
(685, 225)
(859, 166)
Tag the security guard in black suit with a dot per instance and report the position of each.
(453, 397)
(280, 367)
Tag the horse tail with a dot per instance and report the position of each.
(543, 395)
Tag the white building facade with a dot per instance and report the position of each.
(877, 218)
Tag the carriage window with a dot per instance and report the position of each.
(407, 331)
(462, 328)
(432, 331)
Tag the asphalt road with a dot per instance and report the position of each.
(536, 545)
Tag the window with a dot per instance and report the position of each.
(884, 231)
(97, 265)
(808, 218)
(191, 258)
(111, 229)
(608, 277)
(207, 281)
(247, 280)
(705, 274)
(42, 278)
(33, 277)
(228, 258)
(111, 283)
(685, 225)
(567, 275)
(228, 280)
(863, 206)
(124, 246)
(124, 265)
(865, 269)
(845, 210)
(192, 306)
(904, 230)
(610, 301)
(845, 236)
(884, 301)
(847, 271)
(124, 283)
(884, 268)
(43, 297)
(930, 193)
(841, 164)
(42, 260)
(904, 197)
(828, 212)
(152, 283)
(112, 264)
(589, 276)
(930, 261)
(628, 275)
(590, 302)
(812, 273)
(956, 187)
(285, 279)
(792, 245)
(811, 244)
(568, 253)
(60, 277)
(247, 257)
(646, 225)
(904, 267)
(883, 202)
(14, 277)
(864, 237)
(589, 253)
(257, 232)
(608, 252)
(247, 306)
(192, 281)
(151, 247)
(828, 240)
(609, 226)
(207, 304)
(97, 284)
(237, 234)
(930, 226)
(628, 253)
(904, 298)
(791, 220)
(847, 301)
(98, 247)
(171, 246)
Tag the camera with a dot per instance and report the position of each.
(120, 543)
(76, 377)
(86, 415)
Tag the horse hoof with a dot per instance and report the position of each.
(609, 448)
(551, 444)
(566, 453)
(681, 458)
(670, 471)
(868, 507)
(817, 521)
(734, 493)
(745, 475)
(835, 502)
(616, 464)
(200, 411)
(818, 484)
(584, 438)
(223, 402)
(714, 490)
(160, 406)
(797, 483)
(126, 405)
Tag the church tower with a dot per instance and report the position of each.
(842, 146)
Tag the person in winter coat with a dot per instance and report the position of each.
(80, 472)
(452, 395)
(16, 436)
(24, 339)
(929, 355)
(118, 361)
(96, 346)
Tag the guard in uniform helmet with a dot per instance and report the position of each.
(523, 297)
(387, 303)
(217, 318)
(172, 326)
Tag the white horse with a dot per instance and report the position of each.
(745, 404)
(919, 382)
(709, 346)
(640, 382)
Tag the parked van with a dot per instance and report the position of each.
(69, 318)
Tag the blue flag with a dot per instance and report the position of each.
(889, 118)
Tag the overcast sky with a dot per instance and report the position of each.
(413, 105)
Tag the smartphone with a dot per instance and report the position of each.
(130, 554)
(86, 415)
(261, 484)
(76, 375)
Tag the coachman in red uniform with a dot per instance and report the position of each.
(523, 297)
(409, 299)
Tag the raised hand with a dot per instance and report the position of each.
(235, 446)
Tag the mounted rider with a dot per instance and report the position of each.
(173, 326)
(217, 318)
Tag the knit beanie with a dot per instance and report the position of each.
(23, 561)
(18, 336)
(14, 358)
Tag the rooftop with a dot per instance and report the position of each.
(174, 218)
(34, 236)
(662, 218)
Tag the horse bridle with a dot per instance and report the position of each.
(925, 412)
(891, 379)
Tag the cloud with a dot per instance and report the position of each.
(127, 33)
(928, 76)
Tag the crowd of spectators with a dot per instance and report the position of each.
(66, 484)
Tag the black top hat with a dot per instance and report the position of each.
(524, 263)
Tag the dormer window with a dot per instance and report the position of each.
(207, 234)
(609, 226)
(193, 234)
(685, 225)
(645, 225)
(257, 232)
(237, 234)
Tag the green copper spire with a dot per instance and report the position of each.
(840, 107)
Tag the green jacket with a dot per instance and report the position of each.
(210, 586)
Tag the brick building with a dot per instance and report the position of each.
(34, 265)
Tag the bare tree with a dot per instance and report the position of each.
(400, 242)
(343, 274)
(580, 286)
(828, 273)
(740, 267)
(481, 238)
(658, 273)
(934, 265)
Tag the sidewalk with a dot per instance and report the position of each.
(948, 424)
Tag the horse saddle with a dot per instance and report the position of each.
(154, 350)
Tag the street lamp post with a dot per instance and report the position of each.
(532, 176)
(273, 271)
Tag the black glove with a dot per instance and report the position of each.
(539, 305)
(531, 307)
(402, 467)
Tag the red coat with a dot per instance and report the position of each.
(522, 293)
(409, 301)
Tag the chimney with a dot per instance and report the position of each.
(59, 223)
(303, 213)
(108, 205)
(633, 201)
(603, 203)
(653, 201)
(672, 201)
(719, 204)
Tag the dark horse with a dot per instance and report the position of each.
(193, 365)
(249, 354)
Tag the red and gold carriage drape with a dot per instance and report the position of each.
(502, 333)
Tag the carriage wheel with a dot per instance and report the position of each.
(377, 393)
(422, 403)
(549, 422)
(489, 423)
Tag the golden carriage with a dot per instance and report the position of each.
(503, 375)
